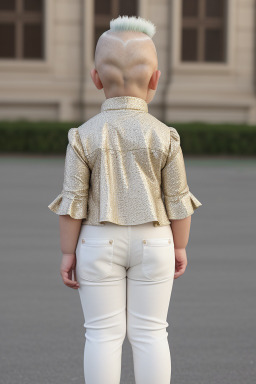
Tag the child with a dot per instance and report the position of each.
(125, 212)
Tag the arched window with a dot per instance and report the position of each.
(204, 30)
(106, 10)
(21, 29)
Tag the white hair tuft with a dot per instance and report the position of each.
(132, 23)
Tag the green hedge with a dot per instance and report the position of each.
(212, 139)
(34, 137)
(196, 138)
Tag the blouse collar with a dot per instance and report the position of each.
(124, 102)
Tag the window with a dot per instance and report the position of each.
(105, 11)
(203, 31)
(21, 29)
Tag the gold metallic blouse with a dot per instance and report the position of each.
(124, 166)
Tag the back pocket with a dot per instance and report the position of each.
(95, 258)
(158, 260)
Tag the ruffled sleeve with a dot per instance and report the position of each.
(73, 198)
(179, 201)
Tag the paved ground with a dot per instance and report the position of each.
(212, 311)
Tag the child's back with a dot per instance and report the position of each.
(130, 165)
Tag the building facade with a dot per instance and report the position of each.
(206, 54)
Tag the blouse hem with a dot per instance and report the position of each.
(102, 222)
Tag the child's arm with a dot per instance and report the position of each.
(69, 233)
(180, 231)
(180, 203)
(71, 204)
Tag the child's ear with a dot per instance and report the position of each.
(96, 79)
(154, 80)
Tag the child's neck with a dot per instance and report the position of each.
(141, 95)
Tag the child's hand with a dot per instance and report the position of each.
(180, 261)
(68, 264)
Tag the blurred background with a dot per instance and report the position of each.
(207, 91)
(206, 53)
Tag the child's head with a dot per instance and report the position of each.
(126, 59)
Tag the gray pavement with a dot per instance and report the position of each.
(212, 313)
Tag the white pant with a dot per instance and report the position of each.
(126, 276)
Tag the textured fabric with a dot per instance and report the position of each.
(124, 166)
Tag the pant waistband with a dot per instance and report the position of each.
(149, 224)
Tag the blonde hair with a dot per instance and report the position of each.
(131, 23)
